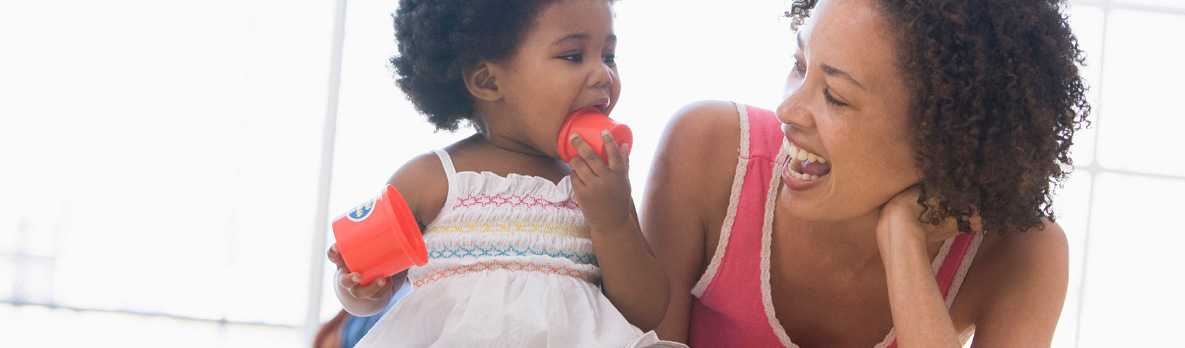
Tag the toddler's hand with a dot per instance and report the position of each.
(602, 189)
(379, 289)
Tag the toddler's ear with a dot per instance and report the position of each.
(482, 83)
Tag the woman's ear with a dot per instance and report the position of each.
(482, 82)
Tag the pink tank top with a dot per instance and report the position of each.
(732, 306)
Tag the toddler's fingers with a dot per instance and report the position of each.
(349, 280)
(335, 256)
(625, 159)
(373, 289)
(612, 151)
(595, 164)
(581, 170)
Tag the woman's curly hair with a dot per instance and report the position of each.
(439, 39)
(996, 97)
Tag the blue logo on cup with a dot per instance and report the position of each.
(361, 212)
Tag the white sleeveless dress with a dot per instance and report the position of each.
(510, 264)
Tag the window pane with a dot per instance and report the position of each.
(34, 279)
(175, 153)
(1142, 117)
(41, 327)
(1158, 3)
(1133, 296)
(6, 277)
(1087, 24)
(1072, 208)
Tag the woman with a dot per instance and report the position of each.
(906, 198)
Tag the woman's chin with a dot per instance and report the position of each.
(819, 209)
(800, 207)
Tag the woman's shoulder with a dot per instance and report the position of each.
(1021, 254)
(1029, 268)
(694, 166)
(702, 140)
(705, 129)
(723, 126)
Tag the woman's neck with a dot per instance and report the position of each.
(850, 242)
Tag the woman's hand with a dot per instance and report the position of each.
(602, 188)
(899, 222)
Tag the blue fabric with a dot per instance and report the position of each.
(356, 327)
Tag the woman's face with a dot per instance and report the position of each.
(845, 112)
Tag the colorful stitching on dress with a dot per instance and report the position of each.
(510, 227)
(494, 265)
(463, 252)
(501, 200)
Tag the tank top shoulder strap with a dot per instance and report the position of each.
(446, 161)
(450, 172)
(736, 260)
(765, 132)
(954, 268)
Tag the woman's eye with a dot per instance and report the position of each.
(831, 99)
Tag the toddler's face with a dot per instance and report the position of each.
(564, 63)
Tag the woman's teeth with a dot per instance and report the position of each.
(807, 166)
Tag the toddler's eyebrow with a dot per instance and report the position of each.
(581, 37)
(578, 37)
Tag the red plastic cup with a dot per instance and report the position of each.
(380, 238)
(589, 124)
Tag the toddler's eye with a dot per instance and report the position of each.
(575, 58)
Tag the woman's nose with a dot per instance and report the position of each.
(794, 111)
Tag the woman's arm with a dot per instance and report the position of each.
(1028, 273)
(689, 181)
(920, 316)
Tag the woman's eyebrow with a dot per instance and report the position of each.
(831, 70)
